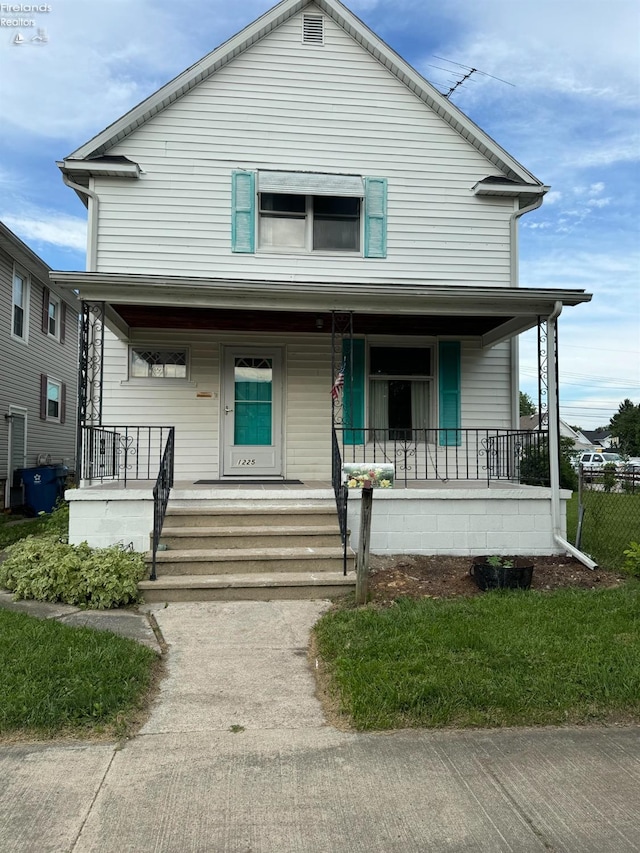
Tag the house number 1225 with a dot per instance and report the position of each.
(246, 462)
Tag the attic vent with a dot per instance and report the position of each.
(312, 29)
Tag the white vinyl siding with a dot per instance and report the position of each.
(307, 400)
(485, 386)
(307, 397)
(284, 105)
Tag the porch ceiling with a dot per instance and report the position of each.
(151, 301)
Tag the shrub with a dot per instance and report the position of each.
(46, 569)
(609, 477)
(534, 465)
(632, 559)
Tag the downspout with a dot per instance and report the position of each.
(92, 206)
(554, 448)
(514, 277)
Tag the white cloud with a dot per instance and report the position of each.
(67, 232)
(552, 197)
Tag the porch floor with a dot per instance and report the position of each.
(308, 485)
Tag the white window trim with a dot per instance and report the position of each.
(155, 380)
(308, 249)
(55, 300)
(15, 410)
(18, 271)
(53, 381)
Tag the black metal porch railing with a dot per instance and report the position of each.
(449, 454)
(122, 453)
(161, 491)
(342, 494)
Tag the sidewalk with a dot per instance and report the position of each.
(127, 623)
(236, 756)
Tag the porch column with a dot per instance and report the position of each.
(90, 373)
(553, 409)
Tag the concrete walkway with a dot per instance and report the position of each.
(236, 756)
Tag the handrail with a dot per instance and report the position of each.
(121, 453)
(341, 493)
(449, 454)
(161, 491)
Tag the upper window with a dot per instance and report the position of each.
(53, 316)
(309, 222)
(20, 305)
(158, 364)
(308, 212)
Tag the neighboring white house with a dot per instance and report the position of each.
(299, 206)
(38, 367)
(577, 436)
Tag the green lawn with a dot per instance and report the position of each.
(504, 658)
(57, 680)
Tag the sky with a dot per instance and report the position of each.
(565, 104)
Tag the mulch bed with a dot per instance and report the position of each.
(392, 577)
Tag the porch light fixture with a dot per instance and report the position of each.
(319, 323)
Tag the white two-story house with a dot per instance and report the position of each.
(301, 254)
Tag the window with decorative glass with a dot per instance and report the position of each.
(399, 392)
(158, 364)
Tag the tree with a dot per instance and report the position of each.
(527, 406)
(625, 425)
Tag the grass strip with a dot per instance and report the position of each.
(58, 680)
(501, 659)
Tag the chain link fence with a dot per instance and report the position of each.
(608, 514)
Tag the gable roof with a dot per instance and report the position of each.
(225, 53)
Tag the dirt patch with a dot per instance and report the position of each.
(446, 577)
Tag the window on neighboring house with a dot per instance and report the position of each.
(52, 399)
(399, 391)
(20, 305)
(53, 317)
(158, 364)
(309, 222)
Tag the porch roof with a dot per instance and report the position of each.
(491, 314)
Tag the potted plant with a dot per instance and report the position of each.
(498, 572)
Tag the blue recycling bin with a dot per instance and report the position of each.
(42, 487)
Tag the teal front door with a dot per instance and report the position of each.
(251, 416)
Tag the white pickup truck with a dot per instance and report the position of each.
(595, 461)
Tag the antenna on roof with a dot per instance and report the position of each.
(469, 71)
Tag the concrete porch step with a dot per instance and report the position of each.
(210, 561)
(253, 515)
(241, 587)
(246, 537)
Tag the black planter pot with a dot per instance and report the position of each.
(517, 575)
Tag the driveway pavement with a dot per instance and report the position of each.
(237, 756)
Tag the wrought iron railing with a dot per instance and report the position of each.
(449, 454)
(342, 494)
(122, 453)
(161, 491)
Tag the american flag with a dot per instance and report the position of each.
(338, 384)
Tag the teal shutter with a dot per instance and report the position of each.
(243, 216)
(449, 393)
(375, 217)
(353, 391)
